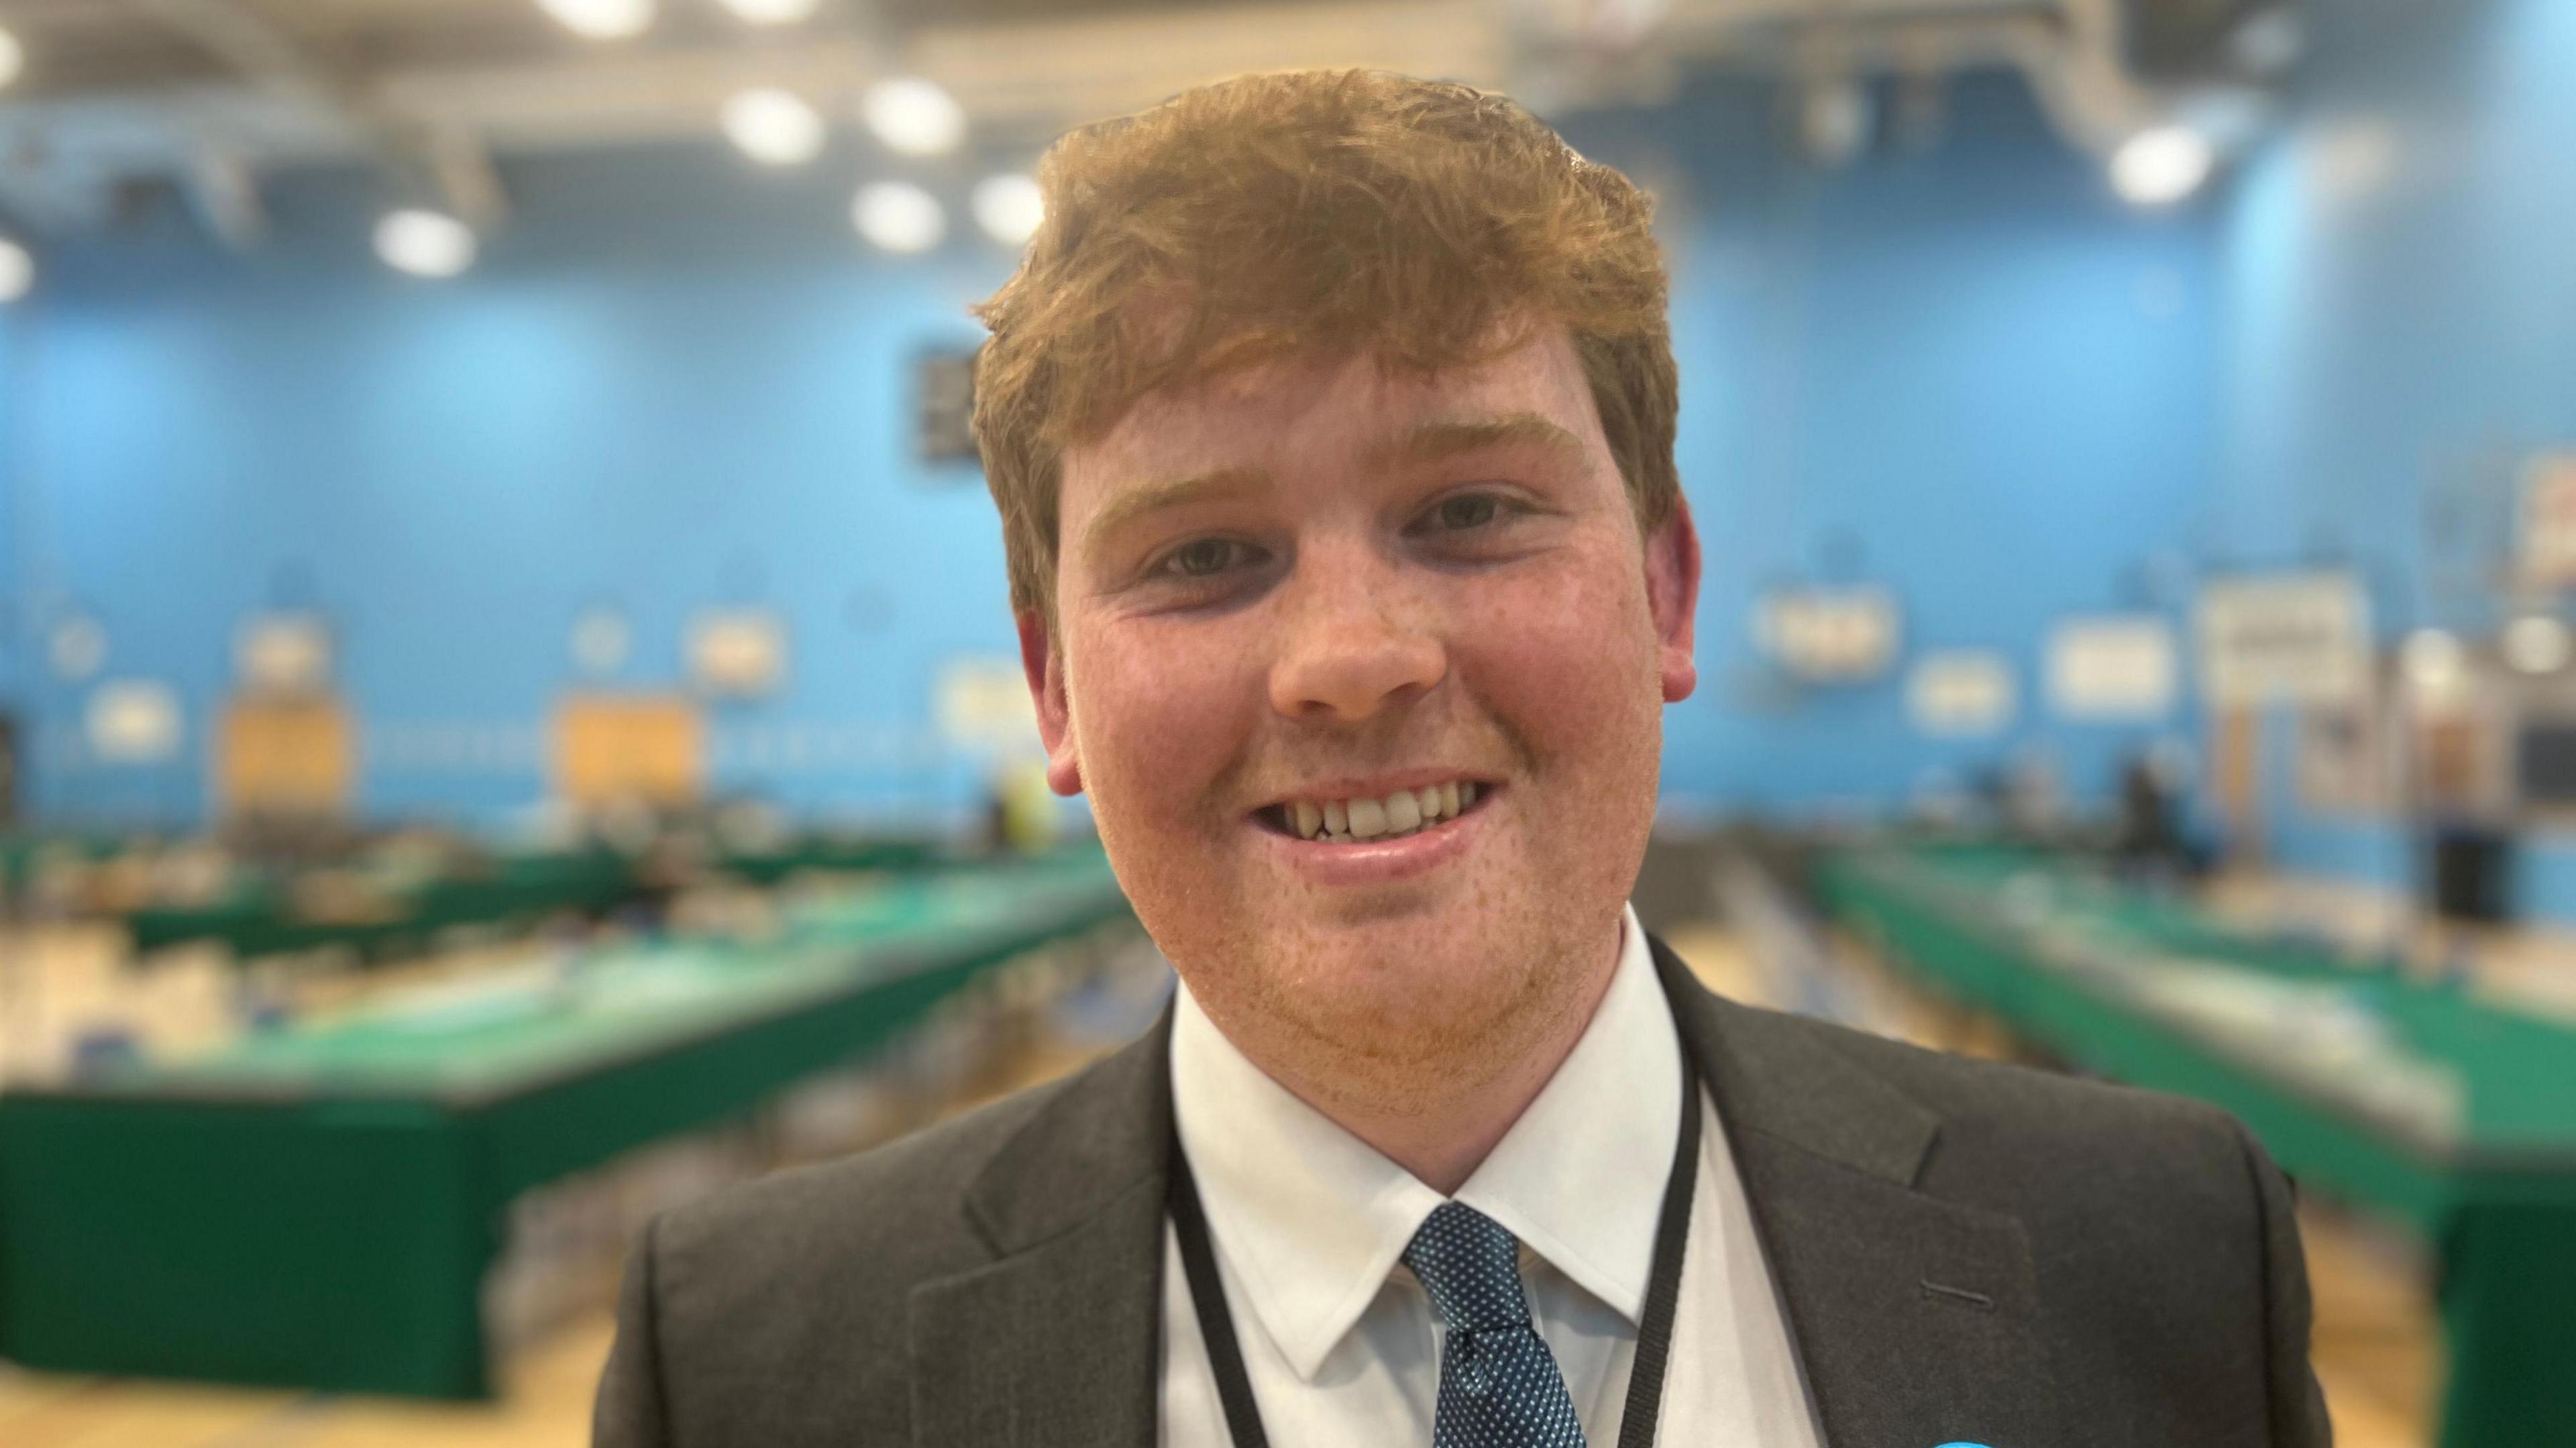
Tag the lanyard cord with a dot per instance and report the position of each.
(1207, 1294)
(1664, 1281)
(1654, 1330)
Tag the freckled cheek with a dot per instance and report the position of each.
(1157, 717)
(1558, 657)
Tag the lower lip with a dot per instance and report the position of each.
(1379, 862)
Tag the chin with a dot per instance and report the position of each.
(1401, 991)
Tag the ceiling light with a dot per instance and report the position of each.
(1835, 118)
(17, 270)
(2538, 644)
(601, 19)
(2162, 166)
(899, 216)
(1009, 207)
(773, 127)
(915, 116)
(13, 57)
(772, 12)
(425, 243)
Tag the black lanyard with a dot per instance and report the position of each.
(1654, 1331)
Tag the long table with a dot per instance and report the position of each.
(264, 914)
(2410, 1097)
(318, 1206)
(264, 918)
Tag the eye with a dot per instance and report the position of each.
(1482, 511)
(1466, 511)
(1205, 557)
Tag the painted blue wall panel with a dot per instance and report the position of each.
(452, 472)
(1968, 373)
(2400, 332)
(673, 383)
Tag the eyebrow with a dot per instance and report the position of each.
(1433, 441)
(1148, 498)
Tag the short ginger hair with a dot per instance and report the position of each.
(1332, 211)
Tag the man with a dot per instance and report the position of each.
(1331, 418)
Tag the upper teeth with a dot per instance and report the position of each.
(1399, 813)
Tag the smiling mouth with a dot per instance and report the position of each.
(1389, 816)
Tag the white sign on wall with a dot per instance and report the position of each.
(77, 647)
(984, 704)
(738, 653)
(134, 721)
(2294, 638)
(1830, 635)
(2113, 668)
(2549, 520)
(601, 640)
(1961, 694)
(283, 653)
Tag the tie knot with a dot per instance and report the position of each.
(1470, 1264)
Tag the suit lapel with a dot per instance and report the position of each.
(1058, 1340)
(1915, 1318)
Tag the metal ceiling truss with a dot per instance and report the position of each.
(209, 94)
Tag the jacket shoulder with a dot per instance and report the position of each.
(781, 1305)
(2034, 1133)
(885, 1217)
(2160, 1235)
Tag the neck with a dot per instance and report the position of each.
(1444, 1146)
(1440, 1120)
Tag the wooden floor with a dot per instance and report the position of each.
(546, 1405)
(2377, 1350)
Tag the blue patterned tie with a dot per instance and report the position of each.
(1499, 1387)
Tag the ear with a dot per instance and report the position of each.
(1672, 593)
(1044, 666)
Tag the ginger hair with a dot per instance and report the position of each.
(1331, 211)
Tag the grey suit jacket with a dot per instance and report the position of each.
(1966, 1252)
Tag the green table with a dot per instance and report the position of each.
(318, 1207)
(2411, 1098)
(262, 918)
(20, 854)
(827, 853)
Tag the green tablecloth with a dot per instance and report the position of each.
(262, 919)
(318, 1207)
(21, 853)
(2412, 1098)
(827, 853)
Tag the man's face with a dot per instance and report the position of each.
(1303, 608)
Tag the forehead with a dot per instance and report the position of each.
(1310, 410)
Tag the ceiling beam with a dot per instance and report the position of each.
(221, 186)
(449, 165)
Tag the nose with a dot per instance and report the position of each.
(1356, 640)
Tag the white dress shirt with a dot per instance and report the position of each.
(1340, 1341)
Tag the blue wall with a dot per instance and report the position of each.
(2400, 333)
(1964, 371)
(671, 384)
(1968, 373)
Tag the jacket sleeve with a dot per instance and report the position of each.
(2298, 1408)
(629, 1411)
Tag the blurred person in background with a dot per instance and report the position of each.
(1331, 417)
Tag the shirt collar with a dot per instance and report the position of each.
(1311, 1219)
